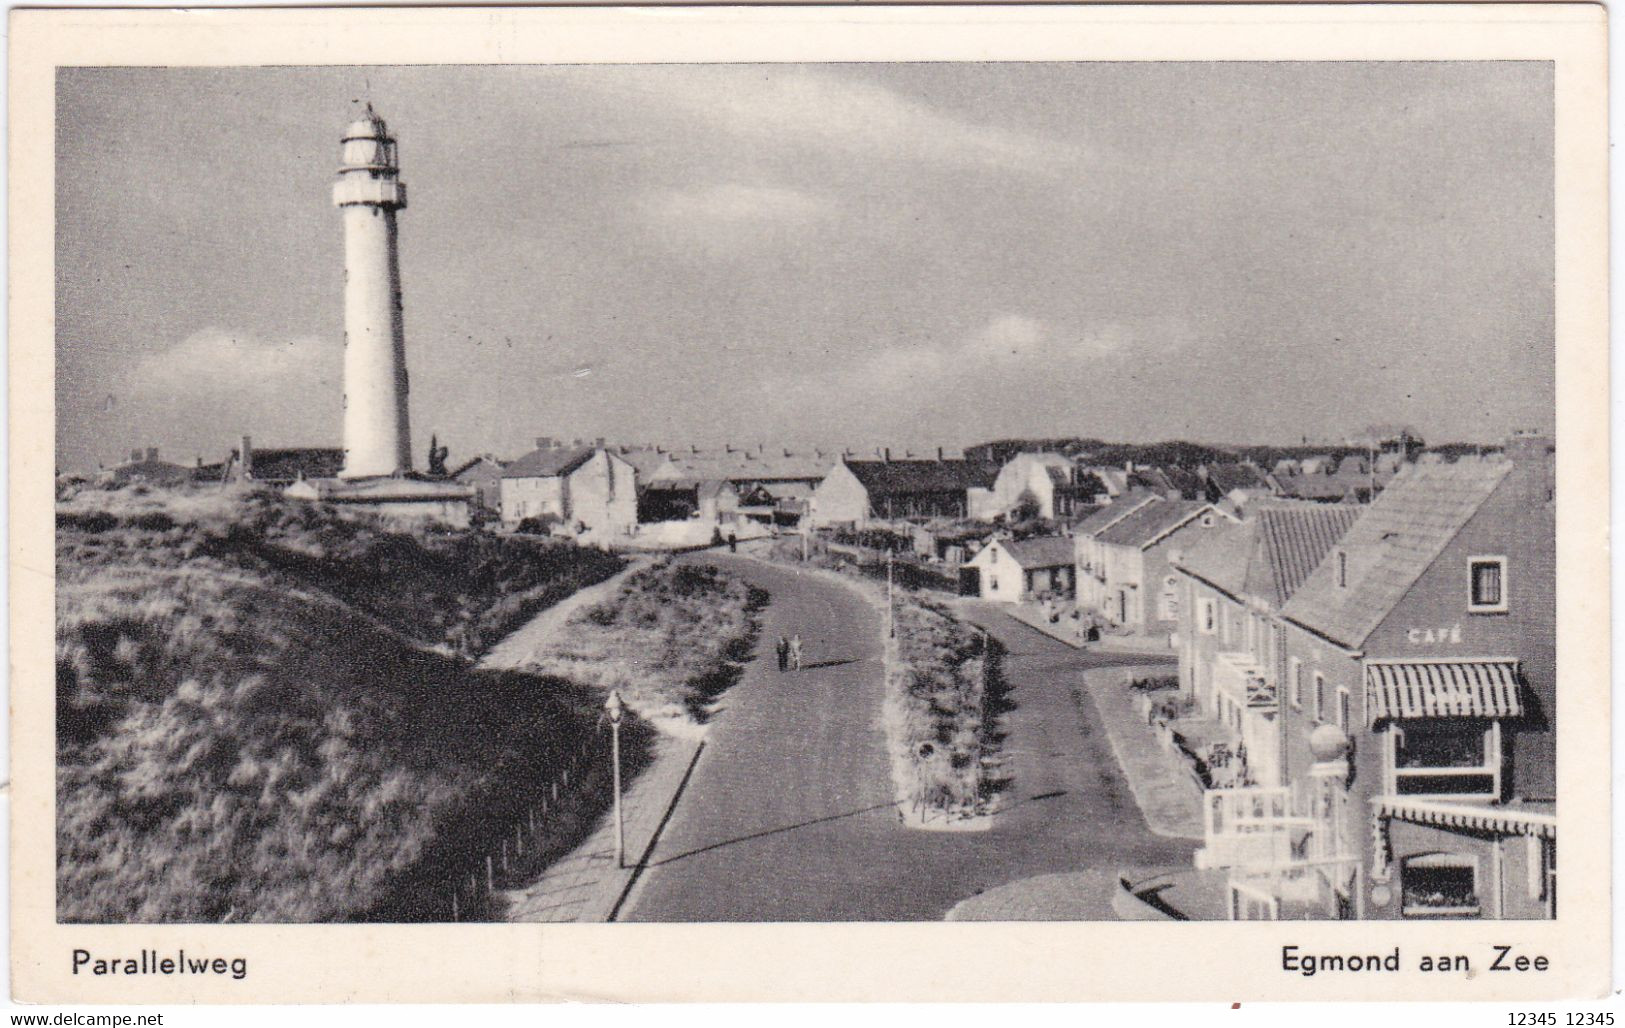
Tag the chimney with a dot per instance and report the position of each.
(245, 456)
(576, 443)
(939, 455)
(1128, 466)
(885, 455)
(135, 456)
(152, 453)
(599, 442)
(543, 442)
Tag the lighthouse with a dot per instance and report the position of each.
(377, 473)
(369, 193)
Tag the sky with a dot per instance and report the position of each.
(859, 255)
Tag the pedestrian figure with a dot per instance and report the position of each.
(784, 654)
(795, 652)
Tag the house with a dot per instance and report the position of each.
(1134, 590)
(145, 468)
(1238, 482)
(276, 466)
(857, 492)
(588, 488)
(484, 474)
(1231, 586)
(1089, 556)
(1053, 485)
(1416, 671)
(1011, 571)
(669, 480)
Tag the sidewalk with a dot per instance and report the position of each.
(1065, 630)
(1168, 795)
(585, 886)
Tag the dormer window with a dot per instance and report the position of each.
(1487, 585)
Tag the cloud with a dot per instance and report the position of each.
(199, 394)
(731, 218)
(735, 205)
(222, 364)
(835, 110)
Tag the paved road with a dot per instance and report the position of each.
(789, 813)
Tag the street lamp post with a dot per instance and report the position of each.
(614, 707)
(891, 607)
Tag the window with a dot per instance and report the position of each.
(1456, 757)
(1209, 617)
(1320, 697)
(1295, 678)
(1343, 710)
(1207, 520)
(993, 555)
(1439, 885)
(1487, 584)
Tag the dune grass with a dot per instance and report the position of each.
(938, 709)
(670, 640)
(266, 710)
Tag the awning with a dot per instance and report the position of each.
(1498, 820)
(1442, 688)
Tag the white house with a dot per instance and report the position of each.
(585, 487)
(1010, 571)
(1049, 480)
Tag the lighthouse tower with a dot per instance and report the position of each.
(368, 192)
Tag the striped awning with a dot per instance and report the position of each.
(1442, 688)
(1500, 820)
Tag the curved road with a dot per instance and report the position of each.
(789, 815)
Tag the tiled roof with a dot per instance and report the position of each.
(1115, 511)
(1151, 522)
(549, 462)
(1041, 551)
(756, 465)
(1394, 541)
(1292, 540)
(895, 477)
(1226, 477)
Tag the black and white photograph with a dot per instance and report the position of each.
(1003, 491)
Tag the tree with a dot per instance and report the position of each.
(437, 456)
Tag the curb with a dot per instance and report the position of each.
(654, 837)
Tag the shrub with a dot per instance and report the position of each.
(936, 707)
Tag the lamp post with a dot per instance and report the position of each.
(614, 708)
(891, 608)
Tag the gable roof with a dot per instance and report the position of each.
(482, 462)
(1394, 541)
(293, 462)
(897, 477)
(1151, 522)
(1222, 558)
(1292, 540)
(1115, 511)
(1229, 477)
(1046, 551)
(549, 462)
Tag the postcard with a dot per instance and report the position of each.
(810, 503)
